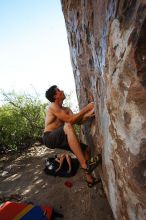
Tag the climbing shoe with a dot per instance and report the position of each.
(92, 163)
(93, 183)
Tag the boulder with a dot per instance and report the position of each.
(107, 41)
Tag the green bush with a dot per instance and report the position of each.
(21, 120)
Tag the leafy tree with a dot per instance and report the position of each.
(21, 120)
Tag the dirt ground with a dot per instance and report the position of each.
(22, 178)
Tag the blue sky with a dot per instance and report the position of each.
(34, 52)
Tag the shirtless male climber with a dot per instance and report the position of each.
(59, 131)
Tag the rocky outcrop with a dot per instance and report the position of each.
(107, 40)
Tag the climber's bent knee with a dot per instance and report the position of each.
(68, 128)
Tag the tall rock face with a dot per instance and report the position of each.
(107, 40)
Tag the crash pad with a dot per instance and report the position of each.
(23, 211)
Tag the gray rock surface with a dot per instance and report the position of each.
(107, 41)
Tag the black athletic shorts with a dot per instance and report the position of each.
(58, 139)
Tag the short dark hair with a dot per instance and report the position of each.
(50, 93)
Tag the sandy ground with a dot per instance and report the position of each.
(25, 177)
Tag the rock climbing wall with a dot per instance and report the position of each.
(107, 40)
